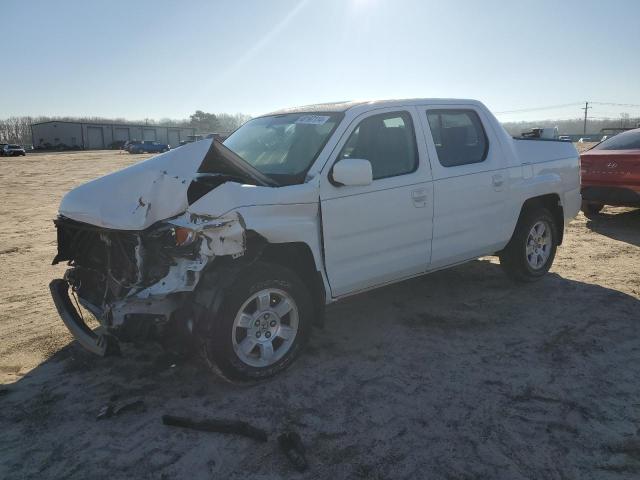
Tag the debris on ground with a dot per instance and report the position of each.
(292, 446)
(217, 425)
(105, 412)
(136, 405)
(111, 410)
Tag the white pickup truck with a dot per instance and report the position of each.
(237, 247)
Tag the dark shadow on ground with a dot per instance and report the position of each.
(624, 226)
(458, 374)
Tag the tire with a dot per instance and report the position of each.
(529, 254)
(591, 209)
(240, 336)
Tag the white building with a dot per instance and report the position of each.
(88, 135)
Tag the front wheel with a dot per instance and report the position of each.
(532, 248)
(262, 325)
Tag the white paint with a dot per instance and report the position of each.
(138, 196)
(469, 211)
(353, 172)
(374, 234)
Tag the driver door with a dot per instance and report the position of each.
(381, 232)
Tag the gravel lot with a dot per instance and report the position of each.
(456, 375)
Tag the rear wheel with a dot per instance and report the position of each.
(530, 252)
(263, 324)
(591, 209)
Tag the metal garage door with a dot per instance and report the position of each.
(174, 138)
(149, 134)
(95, 137)
(121, 134)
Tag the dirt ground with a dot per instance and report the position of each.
(457, 375)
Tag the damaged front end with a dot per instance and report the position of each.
(137, 284)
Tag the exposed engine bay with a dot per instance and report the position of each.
(134, 282)
(136, 255)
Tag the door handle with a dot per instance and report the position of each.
(419, 197)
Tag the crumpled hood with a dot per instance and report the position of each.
(140, 195)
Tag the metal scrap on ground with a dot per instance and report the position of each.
(292, 446)
(217, 425)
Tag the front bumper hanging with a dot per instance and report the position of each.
(100, 344)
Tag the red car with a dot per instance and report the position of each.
(611, 173)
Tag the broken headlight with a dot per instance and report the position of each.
(183, 237)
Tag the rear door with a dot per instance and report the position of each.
(470, 182)
(381, 232)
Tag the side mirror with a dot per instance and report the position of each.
(352, 172)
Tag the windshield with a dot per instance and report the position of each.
(623, 141)
(283, 147)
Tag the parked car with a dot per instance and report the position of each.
(148, 147)
(129, 143)
(238, 246)
(611, 173)
(542, 132)
(564, 138)
(12, 150)
(193, 138)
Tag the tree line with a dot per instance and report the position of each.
(18, 129)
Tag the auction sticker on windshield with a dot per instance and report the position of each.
(313, 119)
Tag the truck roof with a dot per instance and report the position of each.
(340, 107)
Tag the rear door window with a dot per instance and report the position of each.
(459, 136)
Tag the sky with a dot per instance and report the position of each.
(166, 59)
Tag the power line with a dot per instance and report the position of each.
(613, 116)
(551, 107)
(617, 104)
(565, 105)
(606, 118)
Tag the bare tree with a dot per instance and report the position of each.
(624, 119)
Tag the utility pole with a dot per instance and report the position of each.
(586, 107)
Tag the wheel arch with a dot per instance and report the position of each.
(550, 201)
(298, 257)
(222, 273)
